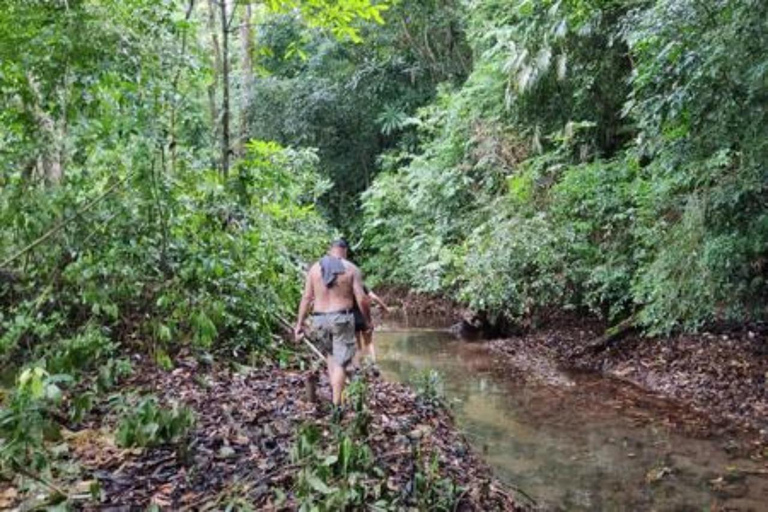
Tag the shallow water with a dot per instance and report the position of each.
(580, 442)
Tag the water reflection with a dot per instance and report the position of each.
(579, 447)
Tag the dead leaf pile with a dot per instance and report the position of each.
(246, 425)
(724, 375)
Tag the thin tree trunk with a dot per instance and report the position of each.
(172, 135)
(213, 87)
(50, 161)
(246, 42)
(225, 89)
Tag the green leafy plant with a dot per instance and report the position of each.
(356, 394)
(431, 491)
(338, 470)
(80, 353)
(25, 419)
(429, 386)
(333, 477)
(604, 158)
(150, 424)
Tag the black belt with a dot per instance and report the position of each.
(338, 312)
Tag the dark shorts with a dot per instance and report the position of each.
(360, 324)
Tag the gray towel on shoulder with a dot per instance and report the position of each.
(330, 268)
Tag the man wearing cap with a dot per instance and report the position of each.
(332, 287)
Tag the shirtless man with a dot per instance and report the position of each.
(334, 284)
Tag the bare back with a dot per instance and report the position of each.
(338, 297)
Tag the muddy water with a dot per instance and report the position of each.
(576, 442)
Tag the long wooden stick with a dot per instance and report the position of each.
(63, 223)
(314, 348)
(305, 338)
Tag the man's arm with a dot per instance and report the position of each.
(363, 302)
(306, 300)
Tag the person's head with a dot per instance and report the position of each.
(339, 248)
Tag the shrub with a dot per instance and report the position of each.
(149, 424)
(25, 421)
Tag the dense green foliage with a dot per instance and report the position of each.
(603, 156)
(168, 168)
(118, 232)
(354, 101)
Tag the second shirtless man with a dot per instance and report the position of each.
(332, 287)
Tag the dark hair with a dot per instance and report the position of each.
(340, 243)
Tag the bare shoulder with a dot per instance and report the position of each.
(314, 269)
(348, 265)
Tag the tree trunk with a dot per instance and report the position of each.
(172, 134)
(246, 68)
(225, 89)
(213, 87)
(50, 161)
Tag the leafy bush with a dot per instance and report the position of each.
(226, 263)
(149, 424)
(216, 272)
(25, 421)
(82, 352)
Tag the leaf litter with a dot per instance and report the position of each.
(721, 377)
(247, 421)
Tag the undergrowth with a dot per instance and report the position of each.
(195, 262)
(149, 424)
(339, 471)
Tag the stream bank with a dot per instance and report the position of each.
(722, 374)
(578, 441)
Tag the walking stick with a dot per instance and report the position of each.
(305, 338)
(311, 380)
(313, 347)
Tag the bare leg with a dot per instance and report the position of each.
(357, 359)
(366, 342)
(337, 377)
(369, 342)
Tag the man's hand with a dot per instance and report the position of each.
(298, 333)
(306, 300)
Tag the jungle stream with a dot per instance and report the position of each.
(574, 441)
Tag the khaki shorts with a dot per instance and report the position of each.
(335, 333)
